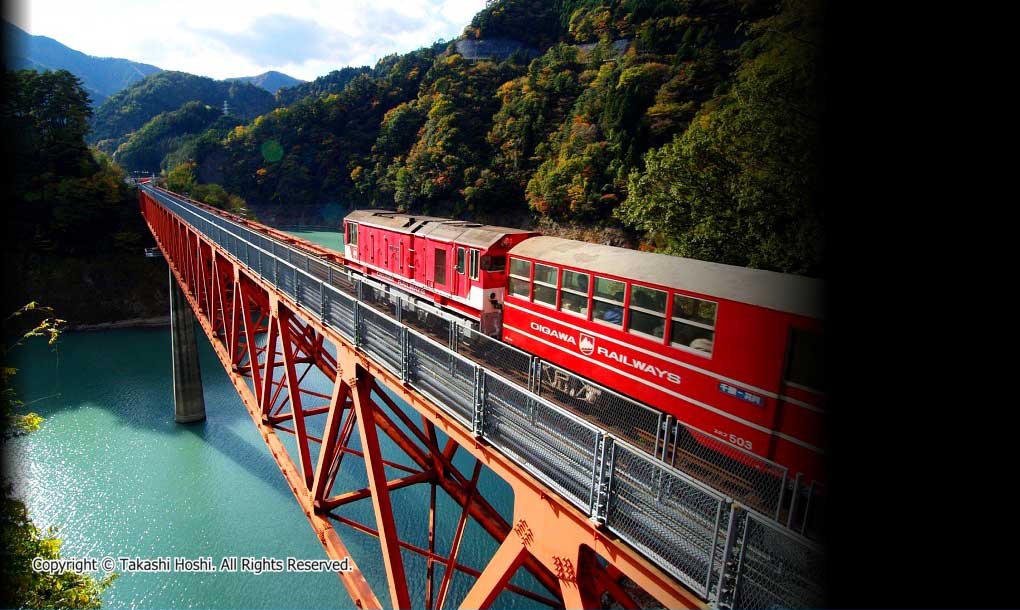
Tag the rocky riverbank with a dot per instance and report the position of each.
(152, 322)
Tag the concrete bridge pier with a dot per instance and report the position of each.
(189, 403)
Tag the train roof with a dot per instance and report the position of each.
(434, 227)
(780, 291)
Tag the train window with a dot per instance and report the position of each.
(520, 268)
(474, 264)
(647, 311)
(495, 264)
(545, 284)
(545, 274)
(439, 271)
(352, 233)
(694, 310)
(806, 363)
(460, 260)
(574, 297)
(693, 323)
(520, 278)
(608, 305)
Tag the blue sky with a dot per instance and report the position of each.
(223, 38)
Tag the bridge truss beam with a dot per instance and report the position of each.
(268, 347)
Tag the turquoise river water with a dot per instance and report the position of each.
(112, 470)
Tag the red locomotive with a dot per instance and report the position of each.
(735, 352)
(459, 265)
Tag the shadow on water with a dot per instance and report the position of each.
(128, 373)
(229, 444)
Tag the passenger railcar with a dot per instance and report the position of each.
(733, 351)
(458, 265)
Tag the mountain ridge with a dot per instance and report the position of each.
(131, 108)
(270, 80)
(102, 77)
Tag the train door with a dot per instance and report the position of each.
(459, 281)
(439, 268)
(352, 250)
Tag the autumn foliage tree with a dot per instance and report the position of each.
(741, 185)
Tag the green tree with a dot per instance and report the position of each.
(129, 109)
(71, 222)
(181, 179)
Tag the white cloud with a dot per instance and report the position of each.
(303, 38)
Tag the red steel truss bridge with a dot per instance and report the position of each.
(317, 355)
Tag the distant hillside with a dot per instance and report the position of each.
(270, 81)
(145, 149)
(101, 76)
(166, 91)
(334, 82)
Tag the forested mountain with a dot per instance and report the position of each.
(101, 76)
(270, 81)
(71, 223)
(334, 82)
(688, 127)
(167, 91)
(167, 132)
(685, 126)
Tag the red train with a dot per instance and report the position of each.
(733, 351)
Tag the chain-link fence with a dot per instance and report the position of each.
(380, 337)
(770, 566)
(670, 516)
(620, 472)
(740, 474)
(425, 320)
(443, 375)
(748, 478)
(309, 292)
(554, 445)
(340, 313)
(342, 281)
(639, 425)
(318, 269)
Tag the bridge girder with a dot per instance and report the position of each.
(548, 536)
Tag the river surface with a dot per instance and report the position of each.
(328, 239)
(119, 477)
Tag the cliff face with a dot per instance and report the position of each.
(494, 49)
